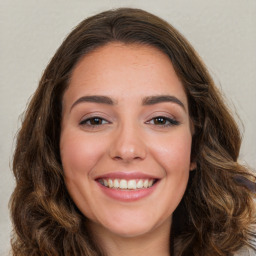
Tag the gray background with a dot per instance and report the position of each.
(222, 31)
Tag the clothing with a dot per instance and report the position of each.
(245, 251)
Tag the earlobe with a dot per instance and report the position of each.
(192, 166)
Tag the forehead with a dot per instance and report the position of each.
(125, 70)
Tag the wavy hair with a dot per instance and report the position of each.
(216, 216)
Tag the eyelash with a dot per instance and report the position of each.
(94, 118)
(166, 121)
(171, 121)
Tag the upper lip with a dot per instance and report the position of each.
(126, 175)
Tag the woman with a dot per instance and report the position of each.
(127, 147)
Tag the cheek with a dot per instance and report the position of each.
(174, 152)
(79, 153)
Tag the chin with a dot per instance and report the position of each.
(128, 231)
(132, 227)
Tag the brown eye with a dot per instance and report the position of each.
(163, 121)
(94, 121)
(159, 120)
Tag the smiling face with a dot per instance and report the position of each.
(126, 139)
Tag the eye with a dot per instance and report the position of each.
(94, 121)
(163, 121)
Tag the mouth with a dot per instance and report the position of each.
(127, 184)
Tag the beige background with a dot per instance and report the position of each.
(222, 31)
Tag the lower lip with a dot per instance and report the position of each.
(127, 195)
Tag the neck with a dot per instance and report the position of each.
(155, 242)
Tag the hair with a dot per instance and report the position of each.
(217, 213)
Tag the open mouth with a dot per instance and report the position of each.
(124, 184)
(127, 187)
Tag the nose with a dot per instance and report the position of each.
(128, 145)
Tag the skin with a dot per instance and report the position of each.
(128, 139)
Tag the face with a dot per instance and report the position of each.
(126, 139)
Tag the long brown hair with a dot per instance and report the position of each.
(216, 215)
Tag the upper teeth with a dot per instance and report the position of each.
(127, 184)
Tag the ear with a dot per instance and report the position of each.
(192, 166)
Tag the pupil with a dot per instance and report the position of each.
(159, 120)
(96, 121)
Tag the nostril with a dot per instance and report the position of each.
(127, 150)
(117, 158)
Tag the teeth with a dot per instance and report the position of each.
(123, 184)
(140, 184)
(145, 184)
(110, 183)
(116, 183)
(150, 183)
(105, 182)
(132, 184)
(127, 184)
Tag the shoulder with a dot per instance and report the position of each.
(245, 251)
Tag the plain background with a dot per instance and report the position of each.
(223, 32)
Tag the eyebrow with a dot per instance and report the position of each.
(151, 100)
(94, 99)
